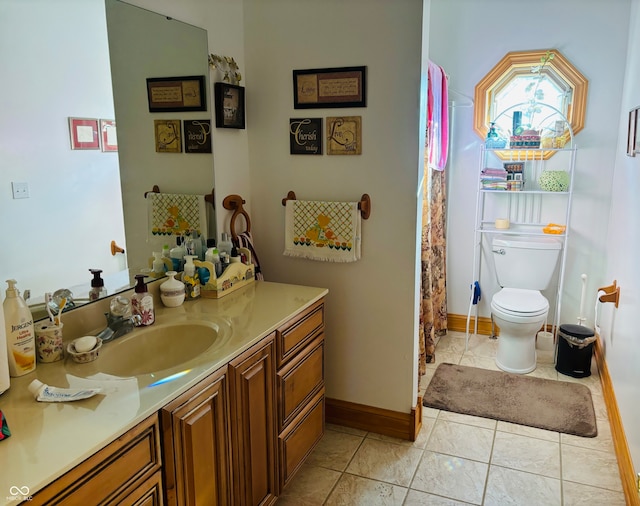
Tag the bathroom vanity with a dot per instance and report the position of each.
(231, 425)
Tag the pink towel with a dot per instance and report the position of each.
(437, 117)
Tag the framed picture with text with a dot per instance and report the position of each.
(332, 87)
(197, 135)
(344, 135)
(305, 136)
(176, 94)
(167, 135)
(230, 106)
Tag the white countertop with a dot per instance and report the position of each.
(48, 439)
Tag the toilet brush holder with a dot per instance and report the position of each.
(544, 341)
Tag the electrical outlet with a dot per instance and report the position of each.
(20, 190)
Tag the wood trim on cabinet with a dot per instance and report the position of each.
(196, 444)
(623, 454)
(378, 420)
(111, 474)
(297, 332)
(300, 437)
(149, 493)
(252, 396)
(299, 380)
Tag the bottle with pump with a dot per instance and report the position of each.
(142, 302)
(177, 254)
(191, 279)
(97, 285)
(21, 342)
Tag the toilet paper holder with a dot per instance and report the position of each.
(611, 293)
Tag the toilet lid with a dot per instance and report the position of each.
(517, 301)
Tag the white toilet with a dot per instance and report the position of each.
(524, 266)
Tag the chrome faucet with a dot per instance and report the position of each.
(118, 326)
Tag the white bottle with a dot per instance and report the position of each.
(4, 361)
(225, 245)
(21, 343)
(158, 264)
(177, 254)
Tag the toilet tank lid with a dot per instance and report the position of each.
(527, 242)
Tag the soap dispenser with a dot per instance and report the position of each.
(142, 302)
(21, 342)
(97, 285)
(191, 279)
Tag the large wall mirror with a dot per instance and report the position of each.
(530, 81)
(79, 201)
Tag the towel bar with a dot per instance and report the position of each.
(364, 204)
(208, 197)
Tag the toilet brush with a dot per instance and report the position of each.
(581, 318)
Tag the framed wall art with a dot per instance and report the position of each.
(197, 135)
(108, 137)
(167, 135)
(344, 135)
(84, 133)
(176, 94)
(305, 136)
(331, 87)
(229, 105)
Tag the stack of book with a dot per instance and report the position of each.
(493, 179)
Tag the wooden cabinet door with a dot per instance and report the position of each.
(251, 378)
(196, 442)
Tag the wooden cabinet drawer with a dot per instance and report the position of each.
(299, 380)
(295, 334)
(300, 437)
(113, 473)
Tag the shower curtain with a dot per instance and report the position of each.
(433, 294)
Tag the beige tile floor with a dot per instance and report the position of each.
(460, 459)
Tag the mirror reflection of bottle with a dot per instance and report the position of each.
(97, 285)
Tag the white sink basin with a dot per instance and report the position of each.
(159, 347)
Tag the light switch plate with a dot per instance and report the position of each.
(20, 190)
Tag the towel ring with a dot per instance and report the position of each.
(234, 203)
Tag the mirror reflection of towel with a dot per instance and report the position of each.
(325, 231)
(175, 214)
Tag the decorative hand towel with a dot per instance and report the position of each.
(175, 214)
(325, 231)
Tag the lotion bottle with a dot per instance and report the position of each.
(4, 359)
(21, 343)
(142, 302)
(225, 244)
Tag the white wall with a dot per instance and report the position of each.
(619, 327)
(370, 333)
(468, 46)
(55, 64)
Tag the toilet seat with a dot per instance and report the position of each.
(520, 302)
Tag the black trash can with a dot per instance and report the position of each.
(575, 349)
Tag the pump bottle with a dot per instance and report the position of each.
(97, 285)
(142, 302)
(177, 254)
(21, 343)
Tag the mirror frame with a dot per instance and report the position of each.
(518, 60)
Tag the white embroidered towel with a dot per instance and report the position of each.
(325, 231)
(175, 214)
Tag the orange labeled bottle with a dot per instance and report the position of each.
(21, 343)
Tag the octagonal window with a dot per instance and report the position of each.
(540, 87)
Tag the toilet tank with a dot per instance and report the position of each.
(525, 261)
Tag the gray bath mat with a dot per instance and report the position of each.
(558, 406)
